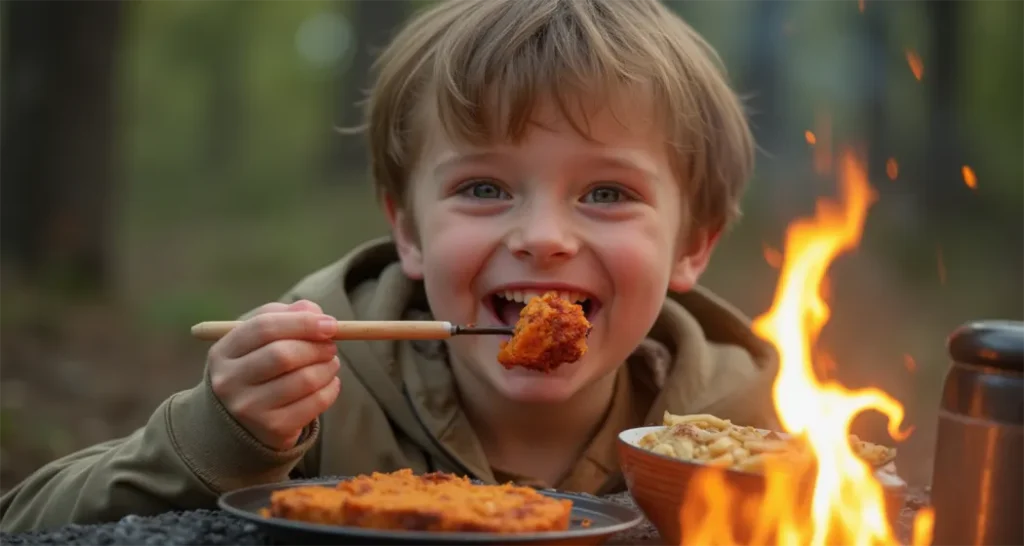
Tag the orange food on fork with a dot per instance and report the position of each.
(551, 331)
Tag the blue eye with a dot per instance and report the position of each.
(483, 190)
(603, 195)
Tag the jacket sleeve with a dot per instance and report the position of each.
(189, 452)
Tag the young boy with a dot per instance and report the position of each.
(586, 146)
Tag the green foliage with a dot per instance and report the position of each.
(227, 198)
(227, 129)
(991, 87)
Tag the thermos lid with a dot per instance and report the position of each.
(993, 343)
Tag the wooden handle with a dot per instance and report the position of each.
(352, 329)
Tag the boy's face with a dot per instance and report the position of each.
(601, 219)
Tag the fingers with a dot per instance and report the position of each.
(304, 305)
(274, 307)
(295, 385)
(265, 328)
(277, 371)
(281, 357)
(301, 412)
(278, 307)
(281, 427)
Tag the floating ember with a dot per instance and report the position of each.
(892, 168)
(915, 64)
(969, 177)
(847, 503)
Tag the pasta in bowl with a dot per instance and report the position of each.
(659, 463)
(709, 440)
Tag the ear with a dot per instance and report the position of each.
(404, 234)
(692, 261)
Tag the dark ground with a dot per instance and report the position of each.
(87, 379)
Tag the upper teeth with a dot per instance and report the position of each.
(525, 296)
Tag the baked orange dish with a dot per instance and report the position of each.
(431, 502)
(551, 331)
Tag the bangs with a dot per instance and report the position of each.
(487, 86)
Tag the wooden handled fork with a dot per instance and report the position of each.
(370, 329)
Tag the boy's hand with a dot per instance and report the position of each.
(277, 371)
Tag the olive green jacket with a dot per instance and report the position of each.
(398, 408)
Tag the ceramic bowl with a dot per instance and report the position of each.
(658, 484)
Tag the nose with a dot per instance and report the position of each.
(543, 234)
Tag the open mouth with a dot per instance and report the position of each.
(507, 304)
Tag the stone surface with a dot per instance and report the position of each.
(174, 528)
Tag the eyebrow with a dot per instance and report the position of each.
(618, 162)
(461, 159)
(591, 160)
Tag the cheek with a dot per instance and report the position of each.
(454, 252)
(639, 260)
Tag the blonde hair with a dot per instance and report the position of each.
(460, 59)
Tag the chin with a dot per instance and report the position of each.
(526, 386)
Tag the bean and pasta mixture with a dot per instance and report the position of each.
(718, 442)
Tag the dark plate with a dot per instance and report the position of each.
(605, 519)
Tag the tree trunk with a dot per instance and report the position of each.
(763, 82)
(764, 79)
(875, 48)
(374, 23)
(944, 188)
(57, 139)
(226, 58)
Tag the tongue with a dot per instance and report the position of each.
(509, 312)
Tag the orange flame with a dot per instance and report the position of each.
(825, 290)
(846, 502)
(825, 365)
(916, 66)
(846, 494)
(810, 138)
(860, 5)
(924, 522)
(909, 363)
(969, 177)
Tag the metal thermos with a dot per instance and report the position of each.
(977, 482)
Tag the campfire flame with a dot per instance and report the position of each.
(848, 503)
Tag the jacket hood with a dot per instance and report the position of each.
(699, 357)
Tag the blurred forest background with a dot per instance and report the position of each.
(165, 163)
